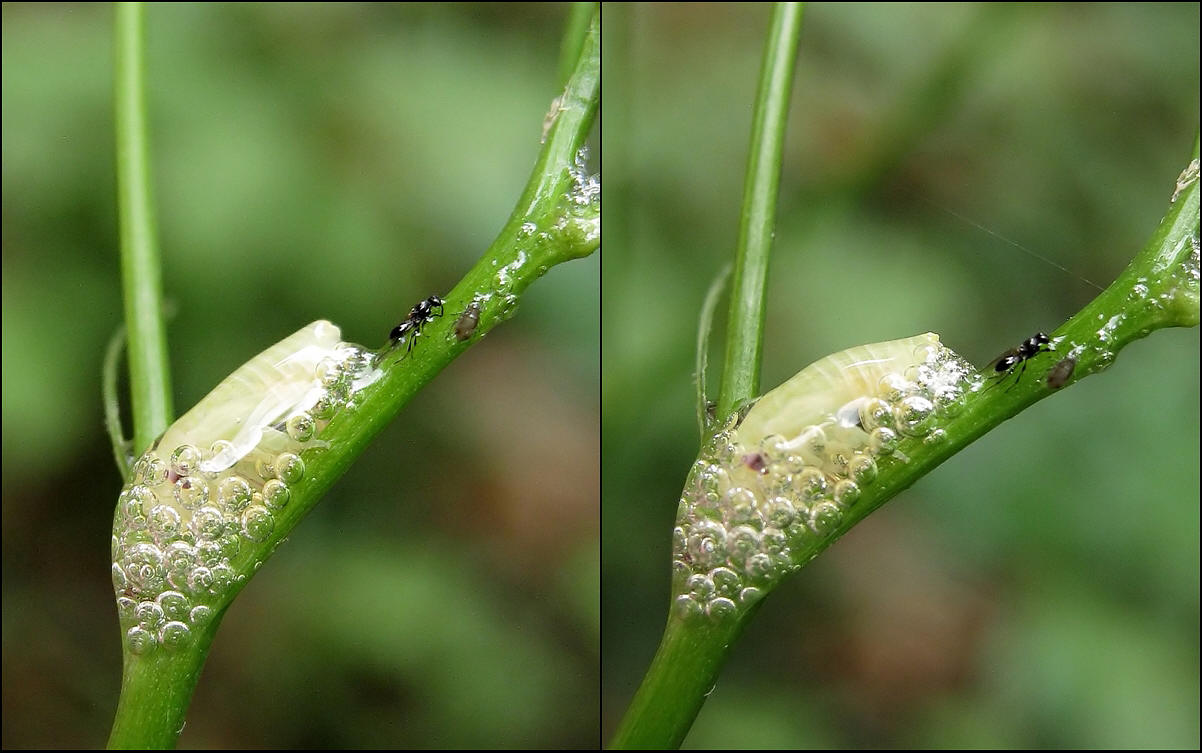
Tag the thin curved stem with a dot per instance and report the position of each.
(112, 404)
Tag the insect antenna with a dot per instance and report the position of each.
(1015, 244)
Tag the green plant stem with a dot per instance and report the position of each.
(745, 330)
(1158, 289)
(681, 677)
(552, 223)
(149, 375)
(579, 17)
(155, 692)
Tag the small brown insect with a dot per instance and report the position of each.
(1061, 373)
(755, 461)
(467, 322)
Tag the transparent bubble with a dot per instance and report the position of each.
(208, 553)
(185, 460)
(893, 387)
(191, 492)
(119, 579)
(707, 544)
(200, 614)
(686, 607)
(726, 581)
(810, 484)
(949, 400)
(208, 523)
(323, 409)
(155, 471)
(919, 375)
(144, 568)
(257, 523)
(882, 441)
(126, 608)
(838, 462)
(135, 503)
(773, 446)
(140, 640)
(149, 615)
(779, 512)
(134, 536)
(914, 415)
(720, 608)
(221, 447)
(700, 586)
(179, 556)
(223, 577)
(276, 494)
(739, 496)
(289, 468)
(875, 412)
(163, 522)
(234, 493)
(228, 545)
(705, 551)
(935, 437)
(301, 427)
(774, 541)
(742, 542)
(790, 464)
(825, 517)
(115, 548)
(680, 574)
(799, 533)
(328, 371)
(760, 567)
(137, 471)
(200, 580)
(175, 635)
(847, 493)
(174, 604)
(862, 470)
(750, 595)
(678, 540)
(265, 468)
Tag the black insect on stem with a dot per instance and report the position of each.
(1026, 350)
(419, 316)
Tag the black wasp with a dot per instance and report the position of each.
(1026, 350)
(419, 316)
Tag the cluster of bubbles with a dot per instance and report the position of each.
(754, 508)
(179, 528)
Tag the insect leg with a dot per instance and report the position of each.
(1020, 375)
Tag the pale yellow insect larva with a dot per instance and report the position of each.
(831, 391)
(263, 393)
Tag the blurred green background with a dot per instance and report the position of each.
(1041, 589)
(336, 161)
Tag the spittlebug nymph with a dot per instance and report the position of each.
(1061, 373)
(466, 325)
(419, 316)
(1026, 350)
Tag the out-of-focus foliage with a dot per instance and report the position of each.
(1039, 590)
(311, 161)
